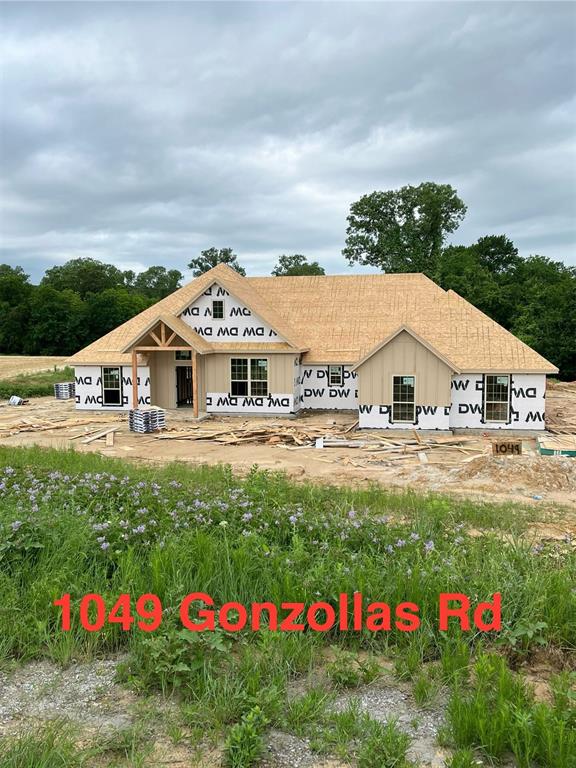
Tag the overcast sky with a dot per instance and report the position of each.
(141, 133)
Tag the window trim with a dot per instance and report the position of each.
(341, 375)
(401, 402)
(485, 400)
(249, 379)
(220, 301)
(119, 389)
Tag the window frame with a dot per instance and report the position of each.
(340, 383)
(119, 388)
(404, 402)
(250, 378)
(493, 401)
(218, 301)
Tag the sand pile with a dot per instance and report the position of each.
(537, 472)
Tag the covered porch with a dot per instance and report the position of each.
(174, 354)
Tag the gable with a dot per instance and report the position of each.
(240, 322)
(404, 355)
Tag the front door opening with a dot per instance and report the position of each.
(184, 396)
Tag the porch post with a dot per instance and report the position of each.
(195, 383)
(134, 379)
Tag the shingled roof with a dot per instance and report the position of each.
(341, 318)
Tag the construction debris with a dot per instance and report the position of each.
(105, 433)
(561, 408)
(376, 448)
(557, 445)
(15, 400)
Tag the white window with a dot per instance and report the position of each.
(218, 309)
(112, 386)
(496, 398)
(335, 375)
(249, 376)
(403, 397)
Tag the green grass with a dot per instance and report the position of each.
(38, 384)
(497, 713)
(78, 524)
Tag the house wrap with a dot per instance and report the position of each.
(396, 348)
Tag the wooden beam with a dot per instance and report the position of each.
(171, 338)
(163, 334)
(134, 379)
(156, 339)
(167, 349)
(195, 383)
(98, 435)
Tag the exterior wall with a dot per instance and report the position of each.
(280, 385)
(222, 402)
(316, 394)
(88, 380)
(404, 356)
(380, 417)
(527, 402)
(238, 324)
(527, 405)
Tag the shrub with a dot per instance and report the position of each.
(245, 745)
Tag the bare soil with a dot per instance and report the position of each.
(472, 472)
(14, 365)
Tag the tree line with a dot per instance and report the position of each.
(403, 230)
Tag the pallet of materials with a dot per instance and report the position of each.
(64, 391)
(557, 445)
(145, 420)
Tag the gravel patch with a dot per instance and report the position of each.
(386, 703)
(83, 693)
(287, 751)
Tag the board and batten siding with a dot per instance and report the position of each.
(280, 371)
(162, 379)
(404, 356)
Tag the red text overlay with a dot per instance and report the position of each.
(199, 613)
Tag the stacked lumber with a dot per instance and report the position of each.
(561, 408)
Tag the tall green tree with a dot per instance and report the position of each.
(83, 276)
(296, 264)
(544, 315)
(157, 282)
(484, 273)
(55, 322)
(15, 291)
(403, 230)
(211, 257)
(110, 308)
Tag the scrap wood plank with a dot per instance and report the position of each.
(98, 435)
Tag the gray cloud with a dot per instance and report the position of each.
(140, 133)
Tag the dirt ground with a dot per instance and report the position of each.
(470, 471)
(13, 365)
